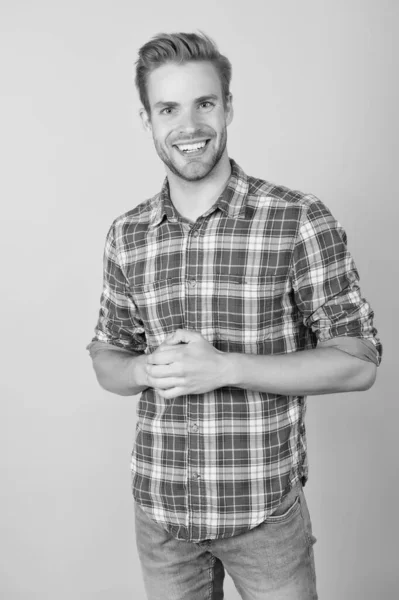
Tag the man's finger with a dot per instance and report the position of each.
(162, 357)
(171, 393)
(163, 384)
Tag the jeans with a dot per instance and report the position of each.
(273, 561)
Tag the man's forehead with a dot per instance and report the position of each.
(172, 81)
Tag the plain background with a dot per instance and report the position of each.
(315, 87)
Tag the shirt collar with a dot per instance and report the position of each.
(232, 201)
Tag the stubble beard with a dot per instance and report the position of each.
(195, 170)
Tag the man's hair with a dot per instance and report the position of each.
(179, 48)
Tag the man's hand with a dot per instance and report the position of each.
(186, 363)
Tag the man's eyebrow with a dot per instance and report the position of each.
(166, 103)
(171, 104)
(207, 97)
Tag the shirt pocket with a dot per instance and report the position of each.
(248, 311)
(160, 305)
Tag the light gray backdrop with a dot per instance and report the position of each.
(315, 86)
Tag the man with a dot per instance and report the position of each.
(227, 300)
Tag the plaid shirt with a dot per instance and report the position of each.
(265, 270)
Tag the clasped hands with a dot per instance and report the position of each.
(186, 363)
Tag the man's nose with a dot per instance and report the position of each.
(189, 121)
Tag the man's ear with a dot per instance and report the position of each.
(229, 109)
(145, 119)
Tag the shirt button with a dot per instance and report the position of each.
(196, 233)
(193, 283)
(195, 476)
(194, 428)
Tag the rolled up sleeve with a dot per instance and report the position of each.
(119, 323)
(326, 287)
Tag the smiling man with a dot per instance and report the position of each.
(190, 134)
(211, 110)
(227, 300)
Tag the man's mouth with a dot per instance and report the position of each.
(194, 148)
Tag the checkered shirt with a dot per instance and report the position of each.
(265, 270)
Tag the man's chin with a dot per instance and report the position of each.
(190, 172)
(194, 170)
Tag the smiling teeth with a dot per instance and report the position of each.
(191, 147)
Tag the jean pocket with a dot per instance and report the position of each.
(288, 508)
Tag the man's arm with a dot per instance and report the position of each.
(117, 350)
(117, 370)
(310, 372)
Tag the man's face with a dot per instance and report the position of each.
(188, 118)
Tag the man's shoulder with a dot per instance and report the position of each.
(278, 203)
(138, 217)
(265, 193)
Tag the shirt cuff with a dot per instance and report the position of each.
(96, 347)
(359, 347)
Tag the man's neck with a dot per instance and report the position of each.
(193, 198)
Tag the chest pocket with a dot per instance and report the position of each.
(160, 305)
(249, 311)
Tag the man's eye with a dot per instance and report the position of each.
(206, 105)
(166, 111)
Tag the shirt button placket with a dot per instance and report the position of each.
(191, 320)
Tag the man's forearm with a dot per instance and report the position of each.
(119, 372)
(318, 371)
